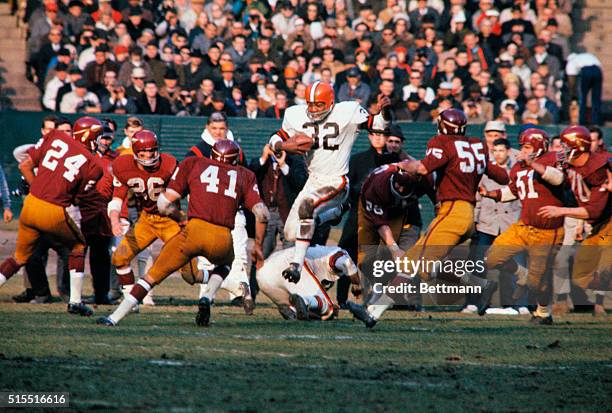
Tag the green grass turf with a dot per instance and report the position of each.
(159, 360)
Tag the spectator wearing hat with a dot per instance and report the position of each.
(145, 12)
(194, 70)
(80, 100)
(135, 60)
(89, 41)
(395, 142)
(74, 20)
(171, 89)
(354, 89)
(136, 23)
(415, 110)
(156, 66)
(136, 89)
(116, 101)
(94, 71)
(63, 56)
(454, 37)
(227, 81)
(540, 56)
(474, 110)
(588, 68)
(151, 103)
(509, 112)
(59, 79)
(445, 92)
(289, 82)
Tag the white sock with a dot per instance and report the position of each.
(76, 286)
(300, 252)
(2, 280)
(522, 273)
(382, 304)
(320, 306)
(203, 289)
(124, 308)
(126, 290)
(214, 283)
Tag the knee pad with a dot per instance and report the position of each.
(306, 229)
(76, 259)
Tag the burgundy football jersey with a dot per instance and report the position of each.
(586, 181)
(459, 163)
(216, 190)
(378, 200)
(65, 169)
(534, 193)
(145, 185)
(93, 204)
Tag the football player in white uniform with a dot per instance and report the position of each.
(331, 130)
(306, 298)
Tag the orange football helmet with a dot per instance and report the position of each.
(317, 93)
(576, 140)
(86, 130)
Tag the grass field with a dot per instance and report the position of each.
(159, 360)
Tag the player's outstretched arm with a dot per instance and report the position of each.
(167, 205)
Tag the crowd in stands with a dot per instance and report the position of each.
(495, 59)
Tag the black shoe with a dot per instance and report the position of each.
(80, 309)
(545, 321)
(247, 300)
(42, 299)
(486, 295)
(105, 321)
(292, 273)
(203, 316)
(286, 312)
(301, 309)
(361, 313)
(24, 297)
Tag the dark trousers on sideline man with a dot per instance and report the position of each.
(100, 264)
(591, 80)
(37, 264)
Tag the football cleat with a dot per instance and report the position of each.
(25, 297)
(545, 321)
(469, 309)
(286, 312)
(203, 316)
(361, 313)
(80, 309)
(486, 295)
(247, 301)
(301, 309)
(106, 321)
(292, 273)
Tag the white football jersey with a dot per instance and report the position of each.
(334, 136)
(318, 261)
